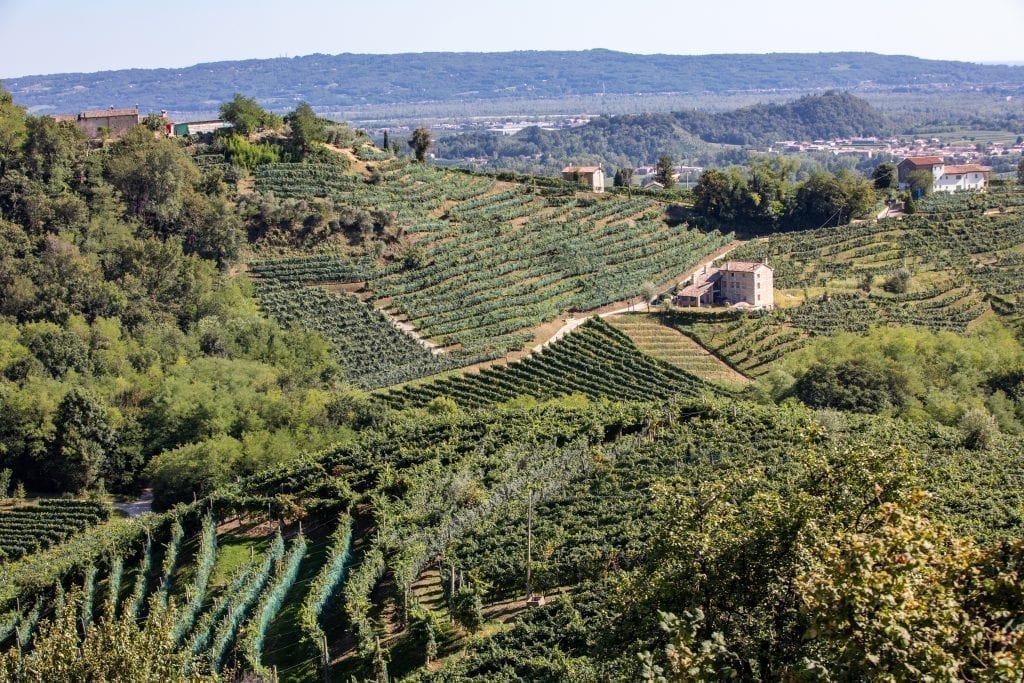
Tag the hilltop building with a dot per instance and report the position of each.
(588, 175)
(116, 122)
(945, 178)
(746, 284)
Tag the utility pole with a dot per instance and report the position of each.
(529, 545)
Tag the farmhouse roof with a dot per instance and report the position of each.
(744, 266)
(923, 161)
(104, 113)
(967, 168)
(695, 290)
(581, 169)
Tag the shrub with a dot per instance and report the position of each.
(898, 282)
(979, 428)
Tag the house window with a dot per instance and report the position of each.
(959, 177)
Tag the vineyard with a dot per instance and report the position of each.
(747, 343)
(372, 351)
(596, 360)
(319, 567)
(667, 344)
(27, 529)
(947, 205)
(498, 259)
(976, 252)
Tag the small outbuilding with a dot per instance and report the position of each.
(97, 123)
(591, 176)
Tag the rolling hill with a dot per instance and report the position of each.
(360, 470)
(347, 80)
(641, 138)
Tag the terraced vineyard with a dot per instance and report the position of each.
(596, 359)
(947, 205)
(957, 264)
(31, 528)
(499, 259)
(372, 351)
(666, 343)
(976, 250)
(749, 343)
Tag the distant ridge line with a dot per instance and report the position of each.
(351, 80)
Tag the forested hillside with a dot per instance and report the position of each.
(632, 140)
(349, 79)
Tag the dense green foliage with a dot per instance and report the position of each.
(246, 116)
(121, 339)
(765, 196)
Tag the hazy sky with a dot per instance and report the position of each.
(52, 36)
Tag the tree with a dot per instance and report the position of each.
(899, 281)
(112, 649)
(623, 177)
(861, 385)
(665, 172)
(711, 194)
(246, 116)
(979, 428)
(920, 182)
(387, 143)
(53, 153)
(647, 291)
(155, 175)
(84, 436)
(12, 130)
(420, 142)
(1020, 172)
(307, 129)
(467, 609)
(154, 122)
(884, 176)
(903, 598)
(831, 200)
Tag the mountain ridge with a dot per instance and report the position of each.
(351, 79)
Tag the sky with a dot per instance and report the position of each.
(56, 36)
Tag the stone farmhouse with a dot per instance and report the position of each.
(592, 176)
(946, 178)
(116, 122)
(743, 284)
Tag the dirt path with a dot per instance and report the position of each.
(139, 506)
(620, 307)
(411, 330)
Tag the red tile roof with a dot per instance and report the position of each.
(967, 168)
(924, 161)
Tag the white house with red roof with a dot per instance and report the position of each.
(945, 177)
